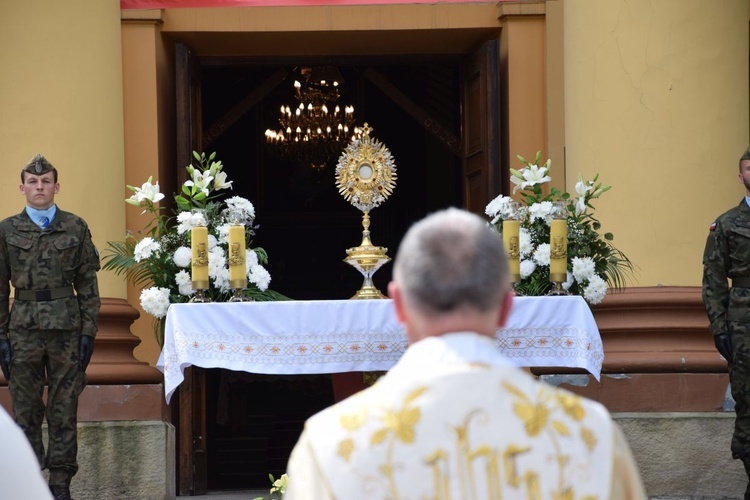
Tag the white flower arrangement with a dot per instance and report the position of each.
(594, 264)
(161, 260)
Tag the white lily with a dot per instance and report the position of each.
(220, 181)
(201, 180)
(148, 192)
(530, 176)
(583, 187)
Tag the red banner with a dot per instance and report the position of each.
(174, 4)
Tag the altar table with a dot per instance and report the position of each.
(335, 336)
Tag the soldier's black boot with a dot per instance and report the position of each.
(60, 492)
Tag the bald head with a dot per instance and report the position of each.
(450, 261)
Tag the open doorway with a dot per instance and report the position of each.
(440, 117)
(305, 225)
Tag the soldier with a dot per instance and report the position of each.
(727, 255)
(48, 334)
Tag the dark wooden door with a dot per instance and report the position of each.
(480, 106)
(478, 148)
(192, 468)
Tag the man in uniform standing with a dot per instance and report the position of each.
(727, 256)
(48, 334)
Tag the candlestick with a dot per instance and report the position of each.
(558, 248)
(511, 230)
(236, 259)
(199, 262)
(558, 262)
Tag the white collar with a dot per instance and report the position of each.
(454, 348)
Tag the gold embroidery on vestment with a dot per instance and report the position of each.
(478, 468)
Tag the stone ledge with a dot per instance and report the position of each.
(645, 392)
(684, 455)
(125, 460)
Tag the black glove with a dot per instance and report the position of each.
(723, 344)
(6, 356)
(85, 350)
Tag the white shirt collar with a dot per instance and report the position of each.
(36, 215)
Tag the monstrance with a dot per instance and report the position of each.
(365, 177)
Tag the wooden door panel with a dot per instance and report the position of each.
(192, 469)
(481, 166)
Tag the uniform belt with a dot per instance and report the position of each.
(743, 282)
(44, 295)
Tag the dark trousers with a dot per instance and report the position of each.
(51, 356)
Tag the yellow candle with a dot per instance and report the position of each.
(199, 263)
(512, 249)
(236, 257)
(558, 250)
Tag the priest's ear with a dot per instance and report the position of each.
(394, 292)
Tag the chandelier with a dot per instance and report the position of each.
(317, 129)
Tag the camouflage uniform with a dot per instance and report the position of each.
(727, 255)
(44, 325)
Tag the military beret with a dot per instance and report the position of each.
(38, 165)
(746, 155)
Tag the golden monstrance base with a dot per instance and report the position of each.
(367, 259)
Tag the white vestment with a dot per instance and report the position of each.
(455, 420)
(20, 475)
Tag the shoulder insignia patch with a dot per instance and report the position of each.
(712, 226)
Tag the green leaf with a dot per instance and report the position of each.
(262, 255)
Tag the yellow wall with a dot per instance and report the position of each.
(61, 96)
(523, 44)
(656, 100)
(148, 95)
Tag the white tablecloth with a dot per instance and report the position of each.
(306, 337)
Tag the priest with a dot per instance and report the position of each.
(454, 418)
